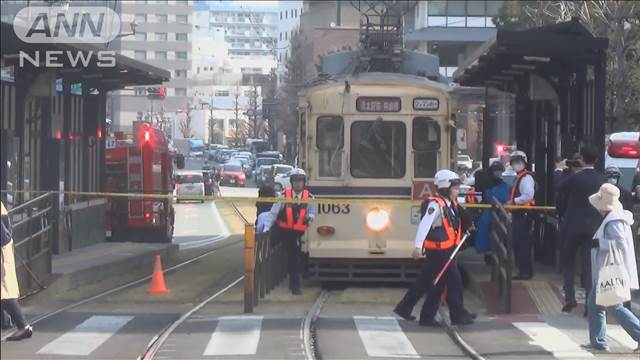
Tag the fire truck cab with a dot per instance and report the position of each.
(140, 165)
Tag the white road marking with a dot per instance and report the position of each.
(617, 333)
(182, 229)
(552, 340)
(383, 337)
(87, 336)
(235, 335)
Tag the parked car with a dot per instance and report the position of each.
(465, 162)
(260, 162)
(233, 175)
(263, 175)
(281, 177)
(270, 154)
(224, 155)
(245, 161)
(623, 151)
(189, 183)
(213, 148)
(210, 183)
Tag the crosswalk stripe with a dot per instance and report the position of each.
(617, 333)
(383, 337)
(235, 335)
(87, 336)
(552, 340)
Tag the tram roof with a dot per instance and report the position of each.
(381, 77)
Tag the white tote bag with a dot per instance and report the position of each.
(613, 280)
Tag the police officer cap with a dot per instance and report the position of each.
(519, 155)
(297, 174)
(446, 178)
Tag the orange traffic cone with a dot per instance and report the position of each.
(157, 279)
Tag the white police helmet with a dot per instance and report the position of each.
(446, 178)
(297, 174)
(519, 155)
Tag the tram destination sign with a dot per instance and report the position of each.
(426, 104)
(378, 104)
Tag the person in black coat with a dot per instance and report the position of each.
(580, 221)
(613, 175)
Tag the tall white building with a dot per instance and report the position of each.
(162, 38)
(289, 13)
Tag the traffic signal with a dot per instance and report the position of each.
(147, 136)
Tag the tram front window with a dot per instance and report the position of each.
(330, 141)
(426, 143)
(378, 149)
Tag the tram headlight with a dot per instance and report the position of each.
(378, 219)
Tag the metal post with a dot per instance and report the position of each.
(599, 93)
(249, 245)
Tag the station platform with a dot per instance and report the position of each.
(92, 264)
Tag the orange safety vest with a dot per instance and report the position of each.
(450, 237)
(286, 220)
(515, 190)
(471, 196)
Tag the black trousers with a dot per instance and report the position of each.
(451, 280)
(576, 246)
(11, 307)
(290, 240)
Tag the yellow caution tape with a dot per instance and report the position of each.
(323, 201)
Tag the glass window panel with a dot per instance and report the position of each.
(161, 55)
(434, 21)
(181, 19)
(437, 8)
(426, 143)
(493, 7)
(378, 149)
(456, 21)
(182, 55)
(456, 8)
(475, 22)
(330, 142)
(141, 36)
(161, 36)
(141, 18)
(181, 92)
(181, 37)
(475, 8)
(140, 55)
(489, 22)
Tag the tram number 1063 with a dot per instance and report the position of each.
(335, 209)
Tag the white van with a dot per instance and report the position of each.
(623, 151)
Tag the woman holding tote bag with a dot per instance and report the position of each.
(613, 264)
(9, 289)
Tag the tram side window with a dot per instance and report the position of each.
(303, 140)
(378, 149)
(330, 142)
(426, 143)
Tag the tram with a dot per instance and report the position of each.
(371, 136)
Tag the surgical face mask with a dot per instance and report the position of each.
(612, 180)
(517, 167)
(497, 174)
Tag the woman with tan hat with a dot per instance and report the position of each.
(614, 230)
(9, 292)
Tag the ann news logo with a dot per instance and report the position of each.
(72, 25)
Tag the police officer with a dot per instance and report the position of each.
(291, 221)
(522, 193)
(439, 232)
(613, 175)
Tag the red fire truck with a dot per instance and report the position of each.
(141, 165)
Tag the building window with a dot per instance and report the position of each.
(296, 12)
(286, 14)
(141, 36)
(161, 36)
(280, 15)
(285, 35)
(493, 7)
(140, 18)
(475, 8)
(249, 93)
(280, 36)
(181, 37)
(437, 8)
(182, 19)
(181, 73)
(161, 18)
(182, 55)
(181, 92)
(292, 13)
(161, 55)
(222, 93)
(140, 55)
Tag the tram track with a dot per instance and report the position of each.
(125, 286)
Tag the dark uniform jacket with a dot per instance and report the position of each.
(580, 218)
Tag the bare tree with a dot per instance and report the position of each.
(238, 128)
(288, 93)
(185, 124)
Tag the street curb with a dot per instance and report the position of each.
(67, 282)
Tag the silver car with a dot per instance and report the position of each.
(189, 183)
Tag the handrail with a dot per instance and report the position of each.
(29, 203)
(502, 254)
(267, 268)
